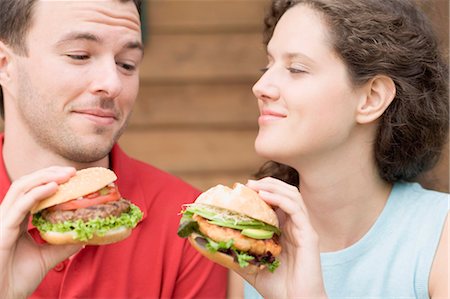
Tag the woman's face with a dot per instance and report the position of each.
(305, 98)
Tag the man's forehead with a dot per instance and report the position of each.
(111, 10)
(64, 15)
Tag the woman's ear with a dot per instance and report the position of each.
(5, 58)
(378, 95)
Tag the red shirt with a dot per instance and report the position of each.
(153, 262)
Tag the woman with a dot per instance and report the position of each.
(354, 106)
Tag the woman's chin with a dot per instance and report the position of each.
(268, 151)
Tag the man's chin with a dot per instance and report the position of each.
(87, 150)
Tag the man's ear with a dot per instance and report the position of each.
(5, 57)
(378, 95)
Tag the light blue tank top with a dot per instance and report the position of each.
(393, 260)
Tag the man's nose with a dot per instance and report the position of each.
(107, 80)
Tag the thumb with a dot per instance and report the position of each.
(54, 254)
(249, 276)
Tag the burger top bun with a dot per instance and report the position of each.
(85, 181)
(222, 258)
(240, 199)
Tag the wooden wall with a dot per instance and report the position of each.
(196, 116)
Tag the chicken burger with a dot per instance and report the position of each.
(233, 227)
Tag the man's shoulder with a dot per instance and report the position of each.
(152, 181)
(146, 172)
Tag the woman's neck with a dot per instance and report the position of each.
(342, 214)
(344, 199)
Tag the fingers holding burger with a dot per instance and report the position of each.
(87, 209)
(233, 227)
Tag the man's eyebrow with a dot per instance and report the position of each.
(72, 36)
(135, 45)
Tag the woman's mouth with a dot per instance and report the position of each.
(269, 116)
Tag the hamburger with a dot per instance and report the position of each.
(233, 227)
(87, 209)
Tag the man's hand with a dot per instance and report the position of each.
(23, 263)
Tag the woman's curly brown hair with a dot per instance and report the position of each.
(393, 38)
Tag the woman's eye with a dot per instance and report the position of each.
(263, 70)
(78, 57)
(295, 70)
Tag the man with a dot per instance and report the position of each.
(69, 78)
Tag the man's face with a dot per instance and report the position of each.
(77, 86)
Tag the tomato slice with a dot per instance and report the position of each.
(107, 194)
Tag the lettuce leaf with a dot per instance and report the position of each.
(272, 266)
(243, 258)
(85, 230)
(187, 225)
(214, 246)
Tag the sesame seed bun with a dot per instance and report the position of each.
(84, 182)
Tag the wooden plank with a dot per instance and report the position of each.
(438, 12)
(204, 181)
(205, 57)
(196, 104)
(193, 151)
(205, 16)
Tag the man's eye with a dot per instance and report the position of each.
(127, 67)
(78, 57)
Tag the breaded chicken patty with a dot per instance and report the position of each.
(241, 242)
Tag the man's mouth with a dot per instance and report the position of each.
(98, 116)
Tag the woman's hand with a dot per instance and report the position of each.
(299, 273)
(23, 263)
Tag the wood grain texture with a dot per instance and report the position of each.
(193, 151)
(193, 58)
(175, 16)
(220, 105)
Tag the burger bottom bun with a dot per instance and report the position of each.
(222, 258)
(112, 236)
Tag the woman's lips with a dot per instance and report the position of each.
(268, 116)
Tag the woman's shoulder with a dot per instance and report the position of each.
(414, 194)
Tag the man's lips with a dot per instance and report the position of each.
(99, 116)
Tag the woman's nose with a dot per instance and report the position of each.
(266, 88)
